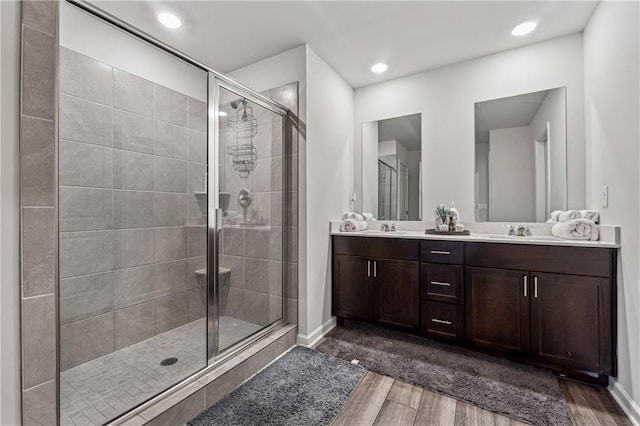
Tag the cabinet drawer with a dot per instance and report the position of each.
(380, 248)
(441, 283)
(442, 320)
(442, 252)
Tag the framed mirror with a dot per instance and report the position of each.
(521, 157)
(392, 168)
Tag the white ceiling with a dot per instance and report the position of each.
(505, 113)
(352, 35)
(405, 130)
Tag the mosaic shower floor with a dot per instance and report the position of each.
(96, 392)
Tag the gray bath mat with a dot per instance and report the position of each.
(304, 387)
(515, 390)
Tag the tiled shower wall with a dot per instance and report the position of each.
(132, 156)
(254, 250)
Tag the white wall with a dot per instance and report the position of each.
(92, 37)
(553, 111)
(612, 92)
(329, 176)
(511, 175)
(446, 98)
(9, 214)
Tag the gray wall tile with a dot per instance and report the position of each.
(171, 106)
(40, 15)
(237, 266)
(38, 74)
(257, 243)
(256, 307)
(275, 308)
(133, 209)
(182, 412)
(134, 324)
(233, 240)
(196, 177)
(276, 206)
(260, 360)
(85, 77)
(197, 115)
(170, 209)
(39, 405)
(85, 209)
(39, 339)
(171, 175)
(132, 93)
(195, 280)
(85, 165)
(132, 170)
(37, 162)
(197, 303)
(292, 280)
(276, 278)
(85, 121)
(171, 277)
(134, 285)
(275, 243)
(197, 147)
(225, 384)
(134, 247)
(38, 248)
(84, 340)
(197, 209)
(171, 141)
(83, 253)
(171, 243)
(172, 311)
(197, 236)
(133, 132)
(257, 273)
(86, 296)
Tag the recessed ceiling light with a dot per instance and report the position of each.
(379, 68)
(222, 113)
(169, 20)
(524, 28)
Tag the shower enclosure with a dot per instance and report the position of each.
(166, 172)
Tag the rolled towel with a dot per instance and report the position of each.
(352, 215)
(592, 215)
(555, 215)
(569, 215)
(577, 229)
(367, 216)
(551, 221)
(352, 225)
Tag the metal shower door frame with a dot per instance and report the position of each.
(214, 221)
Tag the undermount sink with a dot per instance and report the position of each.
(376, 231)
(530, 238)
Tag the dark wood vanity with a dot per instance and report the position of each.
(551, 306)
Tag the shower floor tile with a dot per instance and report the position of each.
(96, 392)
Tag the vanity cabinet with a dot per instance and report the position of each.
(377, 279)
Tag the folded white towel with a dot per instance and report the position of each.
(551, 221)
(593, 215)
(569, 215)
(555, 215)
(352, 225)
(368, 216)
(577, 229)
(352, 215)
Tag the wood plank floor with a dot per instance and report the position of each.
(383, 401)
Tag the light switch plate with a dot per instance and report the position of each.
(605, 196)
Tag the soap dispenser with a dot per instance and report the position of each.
(453, 212)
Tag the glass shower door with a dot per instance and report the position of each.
(250, 223)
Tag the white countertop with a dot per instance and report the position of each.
(546, 240)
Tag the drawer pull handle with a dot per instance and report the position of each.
(441, 283)
(440, 252)
(439, 321)
(525, 286)
(535, 287)
(368, 268)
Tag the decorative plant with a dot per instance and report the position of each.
(442, 213)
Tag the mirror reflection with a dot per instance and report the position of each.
(520, 157)
(392, 168)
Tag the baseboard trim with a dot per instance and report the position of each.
(314, 337)
(628, 405)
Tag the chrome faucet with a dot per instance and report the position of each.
(384, 227)
(520, 231)
(395, 227)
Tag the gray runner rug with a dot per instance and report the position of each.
(519, 391)
(304, 387)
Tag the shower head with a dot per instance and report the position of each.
(236, 104)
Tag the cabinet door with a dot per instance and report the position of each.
(397, 293)
(352, 287)
(570, 325)
(497, 309)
